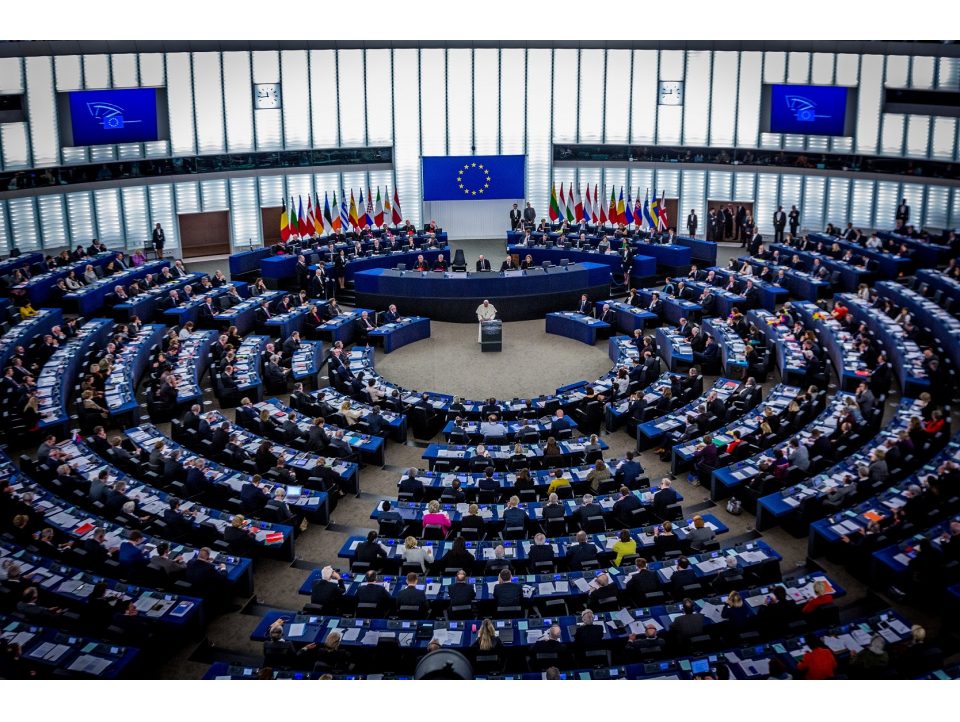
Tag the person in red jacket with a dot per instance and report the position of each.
(735, 443)
(822, 595)
(819, 662)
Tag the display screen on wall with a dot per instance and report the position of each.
(102, 117)
(473, 177)
(808, 109)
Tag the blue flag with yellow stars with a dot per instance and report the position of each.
(473, 177)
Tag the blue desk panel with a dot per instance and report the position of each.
(702, 250)
(576, 326)
(518, 295)
(405, 331)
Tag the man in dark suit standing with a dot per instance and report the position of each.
(794, 218)
(529, 215)
(515, 216)
(303, 273)
(692, 223)
(903, 212)
(754, 244)
(779, 223)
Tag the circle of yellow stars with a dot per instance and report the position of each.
(486, 177)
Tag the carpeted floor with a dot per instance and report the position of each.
(531, 363)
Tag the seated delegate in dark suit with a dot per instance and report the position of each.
(410, 596)
(202, 573)
(461, 593)
(507, 593)
(589, 636)
(252, 497)
(682, 576)
(624, 507)
(364, 326)
(581, 552)
(588, 509)
(327, 590)
(458, 557)
(409, 484)
(207, 312)
(371, 592)
(370, 551)
(540, 551)
(665, 497)
(642, 581)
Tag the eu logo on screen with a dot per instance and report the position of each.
(114, 116)
(808, 109)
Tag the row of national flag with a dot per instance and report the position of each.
(338, 217)
(575, 208)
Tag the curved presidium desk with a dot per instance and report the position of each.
(518, 295)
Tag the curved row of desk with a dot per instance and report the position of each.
(58, 377)
(226, 485)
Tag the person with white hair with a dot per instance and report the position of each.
(871, 662)
(540, 551)
(328, 590)
(589, 509)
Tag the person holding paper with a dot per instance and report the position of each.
(280, 652)
(329, 656)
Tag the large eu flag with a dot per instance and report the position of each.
(473, 177)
